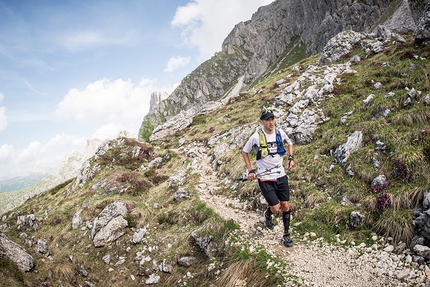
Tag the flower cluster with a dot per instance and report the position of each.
(400, 171)
(138, 185)
(377, 188)
(383, 201)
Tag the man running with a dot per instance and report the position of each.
(269, 143)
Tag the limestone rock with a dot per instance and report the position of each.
(110, 224)
(16, 253)
(352, 144)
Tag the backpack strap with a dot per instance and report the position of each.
(262, 149)
(279, 143)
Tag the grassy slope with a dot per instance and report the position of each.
(317, 194)
(151, 205)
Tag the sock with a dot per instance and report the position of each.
(269, 211)
(286, 220)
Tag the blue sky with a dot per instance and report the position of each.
(77, 70)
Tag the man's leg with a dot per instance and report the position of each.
(269, 192)
(268, 215)
(286, 215)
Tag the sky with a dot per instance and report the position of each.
(75, 70)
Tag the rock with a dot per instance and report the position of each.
(400, 248)
(427, 99)
(41, 247)
(206, 244)
(356, 219)
(402, 274)
(352, 144)
(186, 261)
(106, 259)
(166, 268)
(380, 180)
(110, 224)
(153, 279)
(76, 221)
(138, 236)
(177, 180)
(111, 232)
(181, 195)
(422, 32)
(368, 99)
(28, 222)
(423, 251)
(338, 46)
(16, 253)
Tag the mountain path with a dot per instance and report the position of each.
(311, 262)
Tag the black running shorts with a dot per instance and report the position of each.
(275, 191)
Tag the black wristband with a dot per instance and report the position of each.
(290, 157)
(251, 171)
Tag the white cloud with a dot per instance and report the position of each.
(30, 153)
(6, 152)
(104, 102)
(15, 161)
(176, 62)
(206, 23)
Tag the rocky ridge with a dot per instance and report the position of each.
(274, 37)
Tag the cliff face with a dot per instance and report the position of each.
(278, 35)
(156, 98)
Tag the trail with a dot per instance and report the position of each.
(312, 261)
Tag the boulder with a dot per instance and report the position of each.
(353, 143)
(110, 224)
(16, 253)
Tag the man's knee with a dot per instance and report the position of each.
(275, 208)
(285, 206)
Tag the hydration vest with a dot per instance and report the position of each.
(263, 151)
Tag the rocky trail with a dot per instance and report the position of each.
(312, 261)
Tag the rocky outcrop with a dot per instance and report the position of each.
(110, 224)
(353, 143)
(422, 33)
(156, 98)
(16, 253)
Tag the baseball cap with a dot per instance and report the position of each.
(266, 114)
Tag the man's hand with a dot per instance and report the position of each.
(252, 175)
(290, 164)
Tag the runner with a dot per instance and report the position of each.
(269, 143)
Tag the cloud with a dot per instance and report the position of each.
(176, 62)
(3, 118)
(6, 152)
(110, 103)
(15, 161)
(205, 23)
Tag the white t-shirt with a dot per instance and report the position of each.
(271, 166)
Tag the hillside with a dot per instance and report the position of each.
(173, 212)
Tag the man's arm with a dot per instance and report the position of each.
(290, 157)
(251, 175)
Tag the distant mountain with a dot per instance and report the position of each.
(21, 182)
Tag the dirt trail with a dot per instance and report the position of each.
(314, 263)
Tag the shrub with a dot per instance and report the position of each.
(400, 171)
(137, 185)
(383, 201)
(56, 220)
(376, 188)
